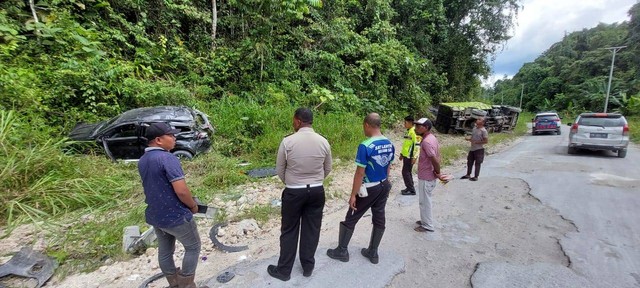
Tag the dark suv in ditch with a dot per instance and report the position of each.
(122, 137)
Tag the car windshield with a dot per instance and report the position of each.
(546, 117)
(601, 121)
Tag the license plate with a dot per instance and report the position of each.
(598, 135)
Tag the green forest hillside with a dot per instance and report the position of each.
(572, 75)
(246, 63)
(68, 60)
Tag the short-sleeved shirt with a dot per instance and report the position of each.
(158, 169)
(429, 147)
(478, 134)
(375, 155)
(410, 145)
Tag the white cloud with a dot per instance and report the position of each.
(488, 82)
(543, 22)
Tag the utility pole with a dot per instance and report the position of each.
(521, 92)
(613, 59)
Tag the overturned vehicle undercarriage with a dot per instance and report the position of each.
(460, 117)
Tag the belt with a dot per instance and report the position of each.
(372, 184)
(303, 186)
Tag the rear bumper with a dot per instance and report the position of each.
(546, 130)
(598, 147)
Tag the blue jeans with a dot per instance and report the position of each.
(187, 234)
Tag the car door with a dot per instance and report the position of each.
(123, 142)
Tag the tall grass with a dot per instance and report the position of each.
(94, 199)
(250, 131)
(39, 181)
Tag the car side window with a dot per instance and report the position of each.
(127, 130)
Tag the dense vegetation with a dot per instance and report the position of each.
(246, 63)
(64, 61)
(82, 60)
(572, 75)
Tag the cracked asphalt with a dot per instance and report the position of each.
(537, 217)
(595, 191)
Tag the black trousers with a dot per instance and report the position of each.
(301, 216)
(376, 200)
(406, 173)
(476, 157)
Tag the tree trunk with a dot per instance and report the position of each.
(35, 16)
(214, 23)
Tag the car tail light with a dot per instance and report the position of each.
(556, 119)
(625, 130)
(574, 128)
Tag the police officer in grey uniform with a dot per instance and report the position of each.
(303, 162)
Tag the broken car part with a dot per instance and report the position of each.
(30, 264)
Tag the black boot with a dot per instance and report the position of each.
(372, 251)
(341, 252)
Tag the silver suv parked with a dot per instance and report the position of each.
(599, 131)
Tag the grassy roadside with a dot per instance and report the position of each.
(83, 202)
(81, 237)
(634, 125)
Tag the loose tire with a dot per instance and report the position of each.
(622, 153)
(183, 155)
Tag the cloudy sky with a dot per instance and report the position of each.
(543, 22)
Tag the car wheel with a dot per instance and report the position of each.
(572, 150)
(622, 153)
(183, 155)
(558, 132)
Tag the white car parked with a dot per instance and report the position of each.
(599, 131)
